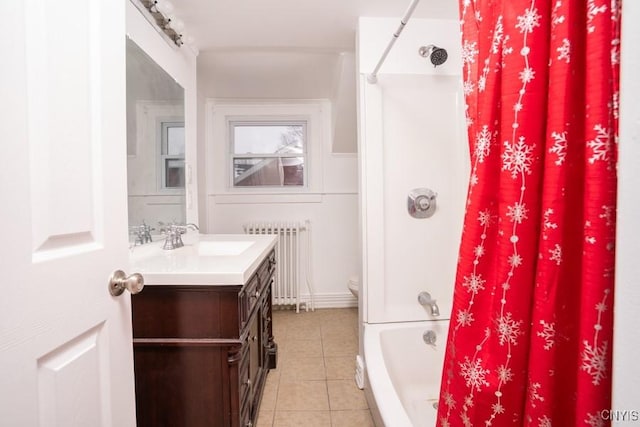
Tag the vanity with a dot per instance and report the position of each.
(202, 330)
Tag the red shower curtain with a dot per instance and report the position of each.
(531, 328)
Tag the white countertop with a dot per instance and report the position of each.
(205, 259)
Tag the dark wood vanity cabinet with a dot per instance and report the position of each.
(202, 353)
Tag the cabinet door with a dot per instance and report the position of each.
(254, 351)
(254, 367)
(181, 385)
(267, 346)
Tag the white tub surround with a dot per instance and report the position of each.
(205, 259)
(412, 135)
(404, 372)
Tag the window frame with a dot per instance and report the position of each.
(233, 122)
(163, 124)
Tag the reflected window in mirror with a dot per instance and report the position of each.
(172, 155)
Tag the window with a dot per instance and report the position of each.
(172, 155)
(268, 153)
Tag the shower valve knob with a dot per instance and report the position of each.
(421, 202)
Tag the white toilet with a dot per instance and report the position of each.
(353, 284)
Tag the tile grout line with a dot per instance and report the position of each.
(313, 323)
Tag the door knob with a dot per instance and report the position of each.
(119, 281)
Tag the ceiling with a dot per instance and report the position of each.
(289, 49)
(328, 25)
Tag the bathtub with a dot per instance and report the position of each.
(403, 372)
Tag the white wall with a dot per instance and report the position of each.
(411, 135)
(330, 202)
(344, 111)
(626, 370)
(180, 64)
(286, 74)
(270, 76)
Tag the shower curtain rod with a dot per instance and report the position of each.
(373, 77)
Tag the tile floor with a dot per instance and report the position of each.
(313, 384)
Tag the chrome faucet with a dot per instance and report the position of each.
(424, 298)
(192, 226)
(142, 233)
(174, 234)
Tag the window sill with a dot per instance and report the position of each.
(262, 198)
(158, 193)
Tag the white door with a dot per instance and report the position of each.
(66, 356)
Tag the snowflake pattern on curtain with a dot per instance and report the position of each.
(532, 324)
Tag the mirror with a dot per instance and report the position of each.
(155, 144)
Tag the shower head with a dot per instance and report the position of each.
(436, 55)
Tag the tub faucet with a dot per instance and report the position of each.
(424, 298)
(429, 337)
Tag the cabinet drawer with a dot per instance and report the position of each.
(247, 300)
(186, 312)
(267, 268)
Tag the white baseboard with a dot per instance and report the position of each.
(331, 300)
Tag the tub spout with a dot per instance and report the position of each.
(435, 310)
(424, 298)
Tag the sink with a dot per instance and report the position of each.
(205, 259)
(222, 248)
